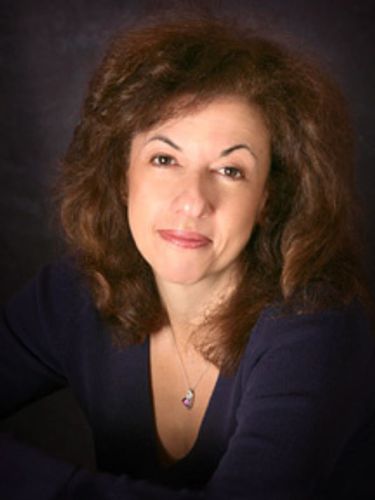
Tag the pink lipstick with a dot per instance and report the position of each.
(184, 239)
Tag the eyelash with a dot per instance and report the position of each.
(155, 160)
(165, 160)
(238, 174)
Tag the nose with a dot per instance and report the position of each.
(194, 197)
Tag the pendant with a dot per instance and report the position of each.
(188, 399)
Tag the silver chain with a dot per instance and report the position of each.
(188, 385)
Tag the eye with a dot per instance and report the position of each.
(231, 172)
(162, 160)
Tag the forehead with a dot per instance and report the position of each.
(217, 116)
(206, 131)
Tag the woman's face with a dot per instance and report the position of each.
(196, 186)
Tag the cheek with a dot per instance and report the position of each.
(241, 220)
(137, 203)
(144, 205)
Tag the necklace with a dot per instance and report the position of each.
(189, 397)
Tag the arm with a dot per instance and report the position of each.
(30, 352)
(310, 390)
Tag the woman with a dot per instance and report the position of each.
(210, 317)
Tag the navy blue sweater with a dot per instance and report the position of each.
(296, 421)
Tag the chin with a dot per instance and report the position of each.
(180, 276)
(181, 280)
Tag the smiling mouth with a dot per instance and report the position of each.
(184, 239)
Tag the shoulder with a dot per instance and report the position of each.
(58, 279)
(61, 275)
(276, 327)
(320, 344)
(54, 298)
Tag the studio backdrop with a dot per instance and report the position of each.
(48, 50)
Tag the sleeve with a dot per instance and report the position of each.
(30, 351)
(292, 423)
(311, 389)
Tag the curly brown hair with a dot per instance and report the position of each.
(304, 250)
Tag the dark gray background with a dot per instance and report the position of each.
(47, 51)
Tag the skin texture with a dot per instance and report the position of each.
(192, 200)
(196, 187)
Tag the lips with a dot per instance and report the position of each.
(184, 239)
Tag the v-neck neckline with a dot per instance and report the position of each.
(200, 441)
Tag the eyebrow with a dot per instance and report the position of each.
(225, 152)
(164, 139)
(230, 150)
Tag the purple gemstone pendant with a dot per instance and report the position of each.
(188, 399)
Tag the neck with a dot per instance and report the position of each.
(189, 305)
